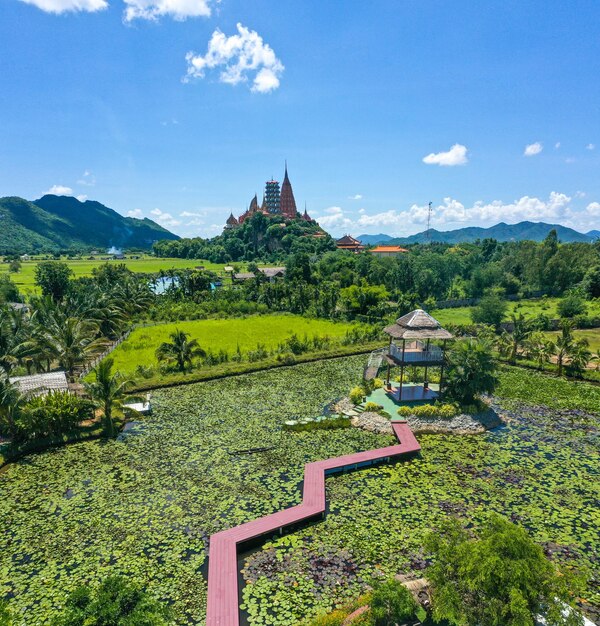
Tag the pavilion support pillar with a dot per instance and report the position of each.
(425, 381)
(402, 370)
(387, 384)
(441, 392)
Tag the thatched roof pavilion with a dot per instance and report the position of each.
(410, 344)
(415, 325)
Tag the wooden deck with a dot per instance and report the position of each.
(413, 393)
(222, 607)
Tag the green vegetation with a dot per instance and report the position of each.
(55, 223)
(470, 371)
(115, 602)
(143, 506)
(81, 268)
(500, 578)
(221, 336)
(435, 411)
(392, 603)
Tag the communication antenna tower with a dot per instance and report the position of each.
(428, 234)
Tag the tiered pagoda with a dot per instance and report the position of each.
(276, 201)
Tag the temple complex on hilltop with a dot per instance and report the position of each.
(276, 202)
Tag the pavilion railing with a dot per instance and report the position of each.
(417, 352)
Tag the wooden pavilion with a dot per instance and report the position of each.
(410, 344)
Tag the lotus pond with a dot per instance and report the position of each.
(145, 505)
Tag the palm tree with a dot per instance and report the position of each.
(179, 350)
(539, 348)
(72, 341)
(522, 329)
(11, 405)
(108, 391)
(563, 345)
(579, 356)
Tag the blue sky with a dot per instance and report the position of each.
(179, 110)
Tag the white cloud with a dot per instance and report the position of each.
(177, 9)
(191, 214)
(532, 149)
(135, 213)
(87, 179)
(63, 6)
(580, 194)
(593, 208)
(165, 219)
(590, 146)
(334, 218)
(82, 197)
(570, 160)
(355, 197)
(59, 190)
(454, 214)
(557, 145)
(240, 56)
(457, 155)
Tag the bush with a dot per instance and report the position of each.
(377, 383)
(436, 411)
(571, 305)
(331, 619)
(471, 371)
(373, 407)
(490, 310)
(357, 395)
(54, 414)
(392, 603)
(116, 601)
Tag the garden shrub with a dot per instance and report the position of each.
(357, 395)
(336, 618)
(436, 411)
(56, 413)
(373, 407)
(144, 371)
(377, 383)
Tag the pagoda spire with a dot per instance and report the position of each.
(288, 202)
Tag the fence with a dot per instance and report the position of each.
(90, 365)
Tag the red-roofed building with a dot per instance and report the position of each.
(348, 242)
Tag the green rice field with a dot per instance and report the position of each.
(223, 334)
(529, 308)
(25, 279)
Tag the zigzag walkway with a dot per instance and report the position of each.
(222, 606)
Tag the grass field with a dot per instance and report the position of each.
(25, 279)
(592, 335)
(529, 308)
(222, 334)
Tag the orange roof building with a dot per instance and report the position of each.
(387, 250)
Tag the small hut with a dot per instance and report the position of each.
(41, 384)
(411, 339)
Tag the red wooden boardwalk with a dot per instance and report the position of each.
(222, 607)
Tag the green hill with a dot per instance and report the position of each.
(533, 231)
(62, 222)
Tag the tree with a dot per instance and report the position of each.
(392, 604)
(539, 348)
(591, 282)
(490, 310)
(52, 277)
(116, 602)
(108, 392)
(12, 402)
(522, 328)
(579, 357)
(470, 371)
(571, 305)
(564, 345)
(14, 266)
(179, 350)
(5, 615)
(8, 290)
(500, 579)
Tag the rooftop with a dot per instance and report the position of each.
(389, 249)
(417, 324)
(41, 384)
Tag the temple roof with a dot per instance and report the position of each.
(348, 240)
(287, 202)
(417, 324)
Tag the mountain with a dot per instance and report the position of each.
(371, 240)
(533, 231)
(594, 234)
(62, 222)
